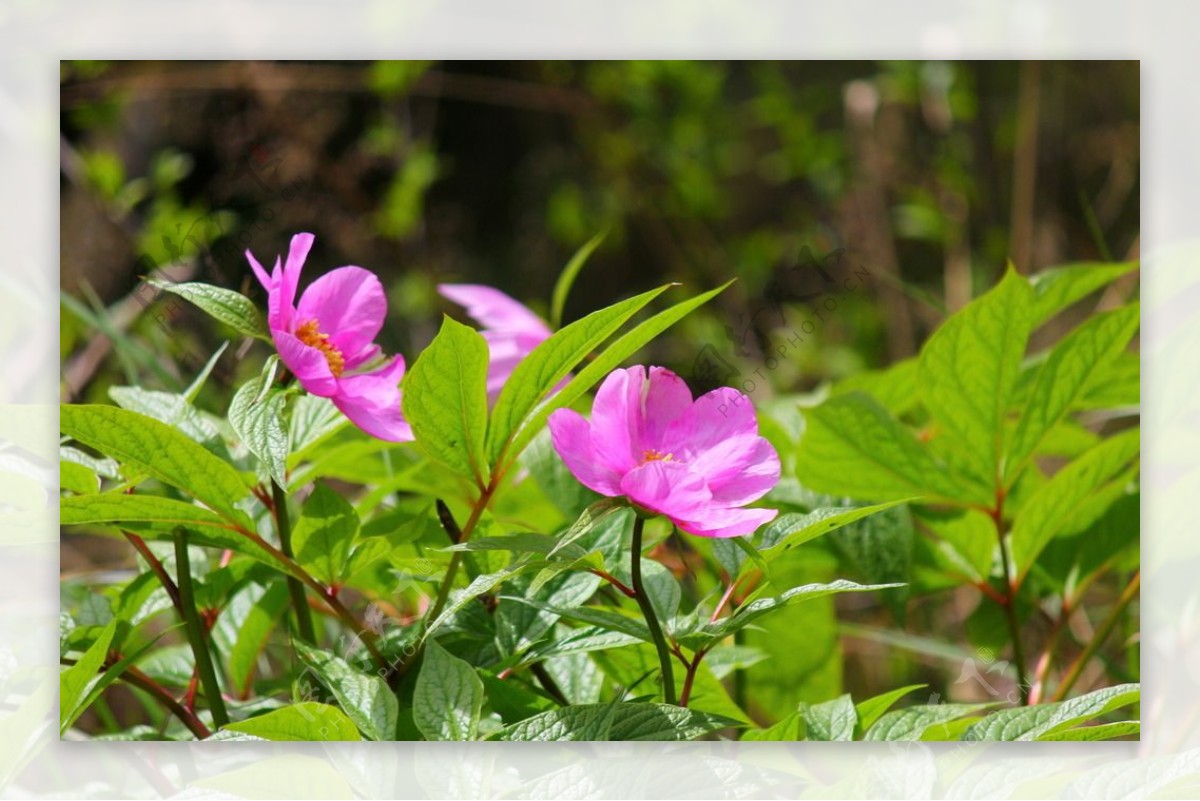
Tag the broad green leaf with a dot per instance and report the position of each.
(322, 536)
(789, 730)
(1063, 378)
(566, 279)
(754, 610)
(153, 517)
(313, 419)
(872, 709)
(1112, 528)
(617, 721)
(880, 547)
(555, 480)
(445, 399)
(519, 626)
(1117, 385)
(1035, 722)
(480, 585)
(366, 699)
(1058, 287)
(851, 446)
(100, 465)
(256, 624)
(167, 407)
(229, 307)
(306, 721)
(601, 617)
(75, 682)
(550, 362)
(792, 529)
(448, 698)
(160, 451)
(1103, 731)
(588, 520)
(966, 539)
(256, 415)
(895, 388)
(608, 359)
(968, 369)
(660, 585)
(831, 720)
(78, 479)
(1051, 508)
(913, 722)
(579, 641)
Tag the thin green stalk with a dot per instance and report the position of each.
(304, 623)
(195, 630)
(1102, 634)
(643, 600)
(1014, 626)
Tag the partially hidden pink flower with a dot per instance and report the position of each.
(327, 339)
(510, 328)
(697, 462)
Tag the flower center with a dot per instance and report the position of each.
(656, 456)
(311, 335)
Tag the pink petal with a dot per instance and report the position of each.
(505, 352)
(717, 434)
(747, 479)
(307, 364)
(289, 278)
(267, 281)
(669, 488)
(572, 438)
(667, 398)
(616, 418)
(372, 402)
(495, 310)
(349, 305)
(722, 523)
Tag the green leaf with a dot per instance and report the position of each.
(256, 415)
(1104, 731)
(445, 399)
(75, 682)
(322, 536)
(831, 720)
(566, 279)
(851, 446)
(313, 419)
(1058, 287)
(966, 539)
(616, 721)
(912, 723)
(581, 641)
(167, 407)
(256, 623)
(366, 699)
(790, 729)
(588, 520)
(155, 518)
(611, 357)
(607, 619)
(895, 388)
(197, 384)
(160, 451)
(1063, 378)
(1051, 508)
(792, 529)
(448, 698)
(872, 709)
(78, 479)
(1035, 722)
(880, 547)
(968, 369)
(550, 362)
(229, 307)
(306, 721)
(754, 610)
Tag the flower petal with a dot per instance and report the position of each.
(667, 398)
(718, 522)
(308, 364)
(616, 418)
(349, 305)
(372, 402)
(505, 352)
(747, 477)
(669, 488)
(572, 438)
(719, 433)
(289, 279)
(495, 310)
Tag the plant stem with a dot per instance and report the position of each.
(304, 623)
(455, 560)
(195, 630)
(690, 677)
(1014, 626)
(156, 567)
(643, 600)
(548, 683)
(1102, 633)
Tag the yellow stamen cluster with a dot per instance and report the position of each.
(311, 335)
(656, 456)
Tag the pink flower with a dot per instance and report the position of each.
(327, 339)
(510, 328)
(696, 462)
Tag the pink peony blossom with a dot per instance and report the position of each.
(510, 328)
(327, 339)
(696, 462)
